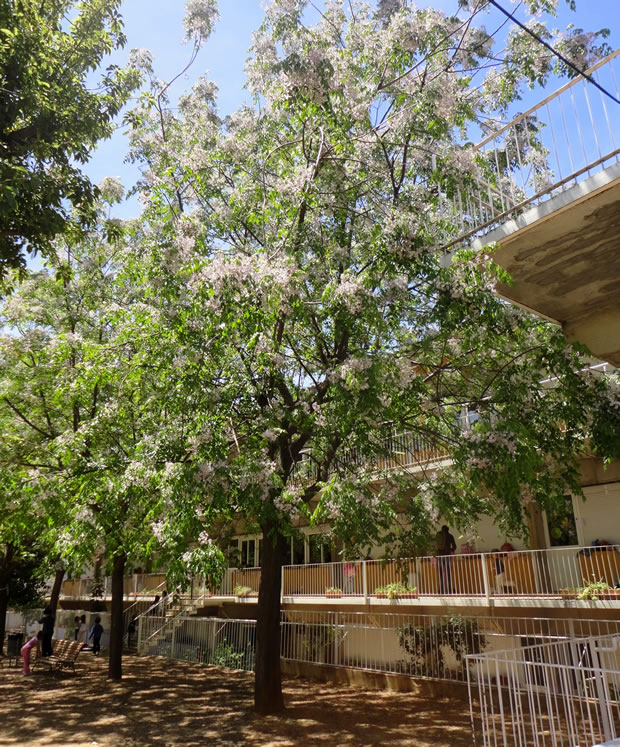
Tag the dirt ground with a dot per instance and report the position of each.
(162, 702)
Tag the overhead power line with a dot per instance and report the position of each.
(553, 51)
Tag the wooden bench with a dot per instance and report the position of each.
(64, 656)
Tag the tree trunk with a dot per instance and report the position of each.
(58, 578)
(267, 680)
(5, 571)
(4, 604)
(115, 663)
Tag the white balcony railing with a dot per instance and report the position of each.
(402, 450)
(554, 573)
(567, 137)
(559, 693)
(136, 586)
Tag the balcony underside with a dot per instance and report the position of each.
(564, 257)
(355, 603)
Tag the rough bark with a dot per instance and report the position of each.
(4, 603)
(5, 564)
(58, 579)
(115, 663)
(267, 680)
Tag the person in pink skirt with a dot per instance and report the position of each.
(27, 648)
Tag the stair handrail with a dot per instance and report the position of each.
(140, 601)
(171, 620)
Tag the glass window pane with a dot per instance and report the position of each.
(562, 526)
(286, 551)
(299, 555)
(316, 548)
(232, 554)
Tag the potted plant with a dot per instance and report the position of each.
(611, 594)
(381, 592)
(594, 590)
(569, 593)
(399, 590)
(333, 592)
(242, 592)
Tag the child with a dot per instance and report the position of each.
(95, 633)
(83, 633)
(27, 648)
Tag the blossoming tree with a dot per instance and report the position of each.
(292, 251)
(88, 437)
(53, 115)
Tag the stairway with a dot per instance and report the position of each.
(156, 633)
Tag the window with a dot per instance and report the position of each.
(321, 551)
(250, 553)
(562, 525)
(299, 550)
(233, 554)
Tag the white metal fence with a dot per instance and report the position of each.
(570, 135)
(428, 646)
(561, 694)
(215, 641)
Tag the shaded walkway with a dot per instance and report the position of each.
(164, 702)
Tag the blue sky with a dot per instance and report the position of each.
(157, 25)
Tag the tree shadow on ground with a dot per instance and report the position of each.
(163, 702)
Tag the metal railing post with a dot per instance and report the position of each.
(365, 580)
(485, 580)
(418, 576)
(140, 620)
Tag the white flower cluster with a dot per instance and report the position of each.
(350, 373)
(158, 531)
(204, 539)
(246, 276)
(205, 470)
(137, 475)
(200, 17)
(111, 189)
(397, 287)
(493, 438)
(351, 292)
(283, 504)
(84, 514)
(141, 59)
(405, 372)
(479, 462)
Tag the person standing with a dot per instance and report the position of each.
(445, 548)
(95, 633)
(131, 630)
(27, 648)
(83, 632)
(47, 621)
